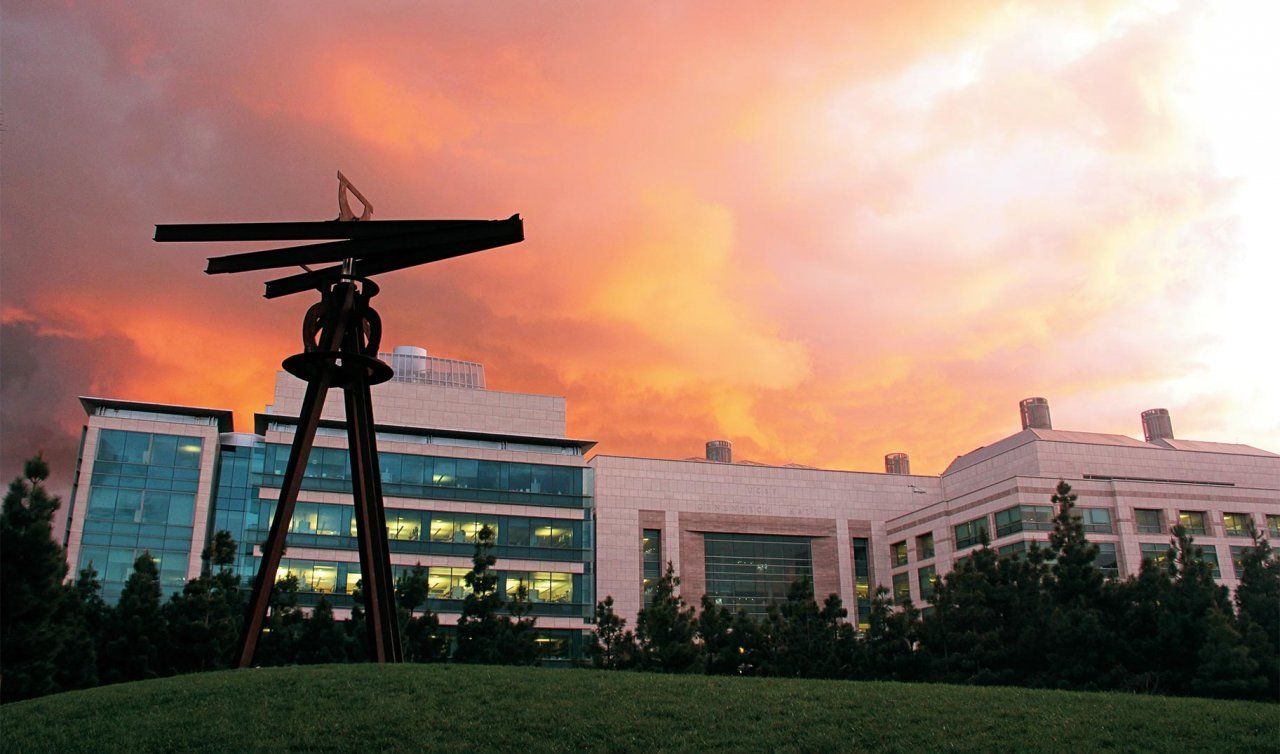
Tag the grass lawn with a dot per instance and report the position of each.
(470, 708)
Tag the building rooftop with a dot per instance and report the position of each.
(98, 406)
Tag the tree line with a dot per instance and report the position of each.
(58, 634)
(1047, 619)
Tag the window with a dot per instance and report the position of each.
(1095, 520)
(971, 532)
(927, 578)
(1192, 521)
(1149, 521)
(1107, 561)
(1273, 525)
(1236, 524)
(1024, 517)
(901, 588)
(540, 586)
(924, 546)
(1013, 549)
(445, 583)
(460, 528)
(1237, 556)
(1209, 555)
(651, 555)
(862, 580)
(1157, 554)
(898, 550)
(749, 572)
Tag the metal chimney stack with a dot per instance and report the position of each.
(1035, 413)
(720, 451)
(1156, 424)
(897, 463)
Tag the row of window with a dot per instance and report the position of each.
(443, 582)
(147, 449)
(748, 572)
(1152, 521)
(410, 475)
(333, 520)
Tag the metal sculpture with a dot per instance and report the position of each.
(340, 338)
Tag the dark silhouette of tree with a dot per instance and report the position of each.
(137, 631)
(283, 625)
(1258, 606)
(423, 641)
(32, 568)
(665, 630)
(614, 647)
(320, 638)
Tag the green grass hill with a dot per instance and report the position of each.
(471, 708)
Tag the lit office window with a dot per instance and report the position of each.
(927, 579)
(1094, 520)
(651, 559)
(970, 532)
(1236, 524)
(1157, 554)
(924, 546)
(444, 583)
(540, 586)
(1193, 522)
(1149, 521)
(1209, 554)
(404, 525)
(751, 571)
(1237, 558)
(862, 581)
(1107, 561)
(901, 588)
(462, 528)
(899, 553)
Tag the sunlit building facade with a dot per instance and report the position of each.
(456, 456)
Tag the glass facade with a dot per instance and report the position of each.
(1235, 524)
(1149, 521)
(862, 581)
(749, 572)
(1022, 518)
(141, 499)
(970, 532)
(414, 476)
(924, 546)
(651, 558)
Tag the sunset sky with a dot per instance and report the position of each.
(822, 231)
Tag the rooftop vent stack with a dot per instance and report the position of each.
(897, 463)
(409, 362)
(1156, 424)
(720, 451)
(1035, 413)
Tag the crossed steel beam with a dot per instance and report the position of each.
(341, 335)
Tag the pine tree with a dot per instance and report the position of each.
(480, 627)
(320, 638)
(423, 640)
(614, 647)
(283, 624)
(1223, 666)
(204, 618)
(720, 649)
(1079, 651)
(518, 641)
(32, 569)
(1258, 606)
(80, 614)
(665, 630)
(137, 631)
